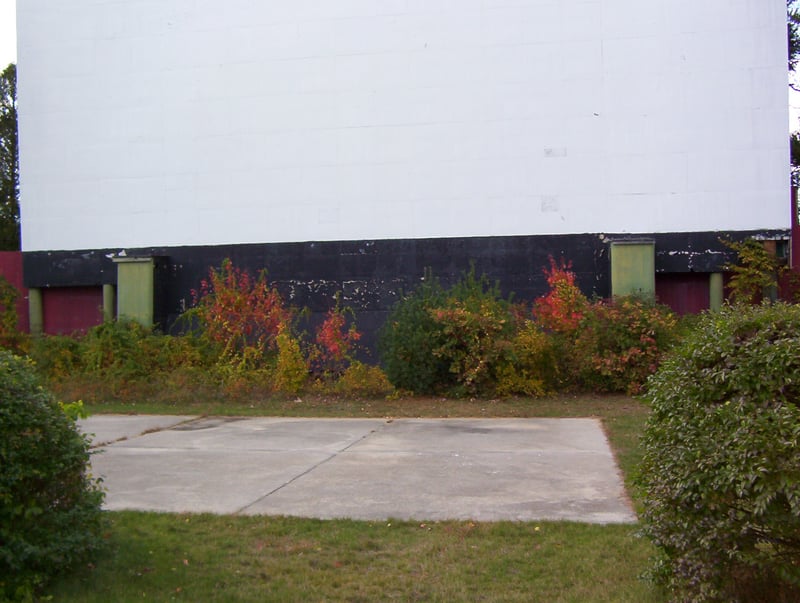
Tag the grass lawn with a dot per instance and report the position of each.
(164, 557)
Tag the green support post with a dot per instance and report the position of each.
(136, 289)
(633, 268)
(109, 303)
(35, 311)
(716, 291)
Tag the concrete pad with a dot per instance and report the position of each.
(487, 470)
(424, 469)
(112, 428)
(261, 434)
(216, 465)
(178, 481)
(499, 435)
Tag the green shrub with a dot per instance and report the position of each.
(364, 381)
(532, 367)
(56, 356)
(451, 341)
(620, 343)
(474, 341)
(126, 349)
(755, 274)
(50, 514)
(120, 349)
(291, 369)
(11, 337)
(408, 339)
(720, 476)
(468, 340)
(112, 347)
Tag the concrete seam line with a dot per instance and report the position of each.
(312, 468)
(139, 435)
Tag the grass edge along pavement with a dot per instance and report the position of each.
(167, 557)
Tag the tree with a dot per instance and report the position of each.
(793, 35)
(793, 32)
(9, 160)
(756, 272)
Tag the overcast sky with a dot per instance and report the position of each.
(8, 32)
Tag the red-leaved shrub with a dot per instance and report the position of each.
(334, 343)
(564, 306)
(240, 315)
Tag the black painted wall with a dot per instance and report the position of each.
(373, 274)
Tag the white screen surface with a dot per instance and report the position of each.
(189, 122)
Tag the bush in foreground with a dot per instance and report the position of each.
(721, 470)
(50, 514)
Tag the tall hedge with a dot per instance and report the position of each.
(721, 472)
(50, 515)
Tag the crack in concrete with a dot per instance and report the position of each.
(144, 433)
(312, 468)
